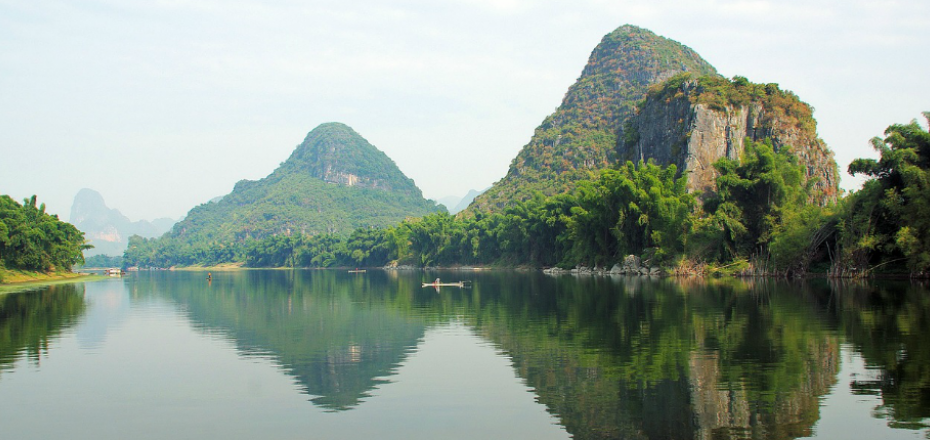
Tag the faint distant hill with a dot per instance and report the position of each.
(456, 204)
(449, 201)
(462, 204)
(334, 182)
(108, 230)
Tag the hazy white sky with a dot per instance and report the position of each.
(163, 104)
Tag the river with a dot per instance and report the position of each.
(326, 354)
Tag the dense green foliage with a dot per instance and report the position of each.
(586, 131)
(627, 211)
(888, 220)
(31, 239)
(758, 220)
(752, 198)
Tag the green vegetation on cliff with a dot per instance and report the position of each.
(585, 134)
(720, 93)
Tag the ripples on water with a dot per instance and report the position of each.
(326, 354)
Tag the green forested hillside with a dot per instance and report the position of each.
(333, 182)
(585, 134)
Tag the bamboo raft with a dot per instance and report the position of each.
(438, 283)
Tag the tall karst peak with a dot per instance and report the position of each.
(335, 153)
(586, 132)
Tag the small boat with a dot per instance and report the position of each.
(114, 272)
(357, 271)
(439, 283)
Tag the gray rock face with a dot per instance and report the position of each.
(631, 264)
(692, 136)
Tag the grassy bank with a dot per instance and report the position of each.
(17, 279)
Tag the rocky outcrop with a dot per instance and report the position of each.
(631, 265)
(678, 126)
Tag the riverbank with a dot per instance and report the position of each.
(12, 276)
(20, 279)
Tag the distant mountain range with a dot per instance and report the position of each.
(334, 182)
(108, 230)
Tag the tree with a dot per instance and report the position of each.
(754, 196)
(31, 239)
(890, 216)
(629, 210)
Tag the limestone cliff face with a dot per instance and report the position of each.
(685, 127)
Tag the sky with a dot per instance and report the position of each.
(161, 105)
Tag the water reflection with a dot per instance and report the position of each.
(609, 357)
(29, 320)
(889, 324)
(340, 336)
(624, 358)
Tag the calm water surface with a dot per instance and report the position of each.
(327, 354)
